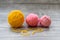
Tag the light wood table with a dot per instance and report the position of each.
(53, 33)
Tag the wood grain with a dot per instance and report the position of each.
(30, 1)
(53, 33)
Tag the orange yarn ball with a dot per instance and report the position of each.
(16, 18)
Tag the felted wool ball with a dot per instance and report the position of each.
(32, 19)
(45, 21)
(15, 18)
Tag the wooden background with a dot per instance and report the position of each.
(53, 10)
(30, 1)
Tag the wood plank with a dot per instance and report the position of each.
(53, 33)
(29, 1)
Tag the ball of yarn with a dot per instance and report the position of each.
(32, 19)
(15, 18)
(45, 21)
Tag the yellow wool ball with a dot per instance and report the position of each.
(15, 18)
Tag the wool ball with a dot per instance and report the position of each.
(32, 19)
(45, 21)
(15, 18)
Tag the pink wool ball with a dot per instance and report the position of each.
(45, 21)
(32, 19)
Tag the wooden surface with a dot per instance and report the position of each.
(29, 1)
(53, 33)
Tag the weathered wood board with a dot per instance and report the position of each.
(52, 10)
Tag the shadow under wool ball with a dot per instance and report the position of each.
(15, 18)
(32, 19)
